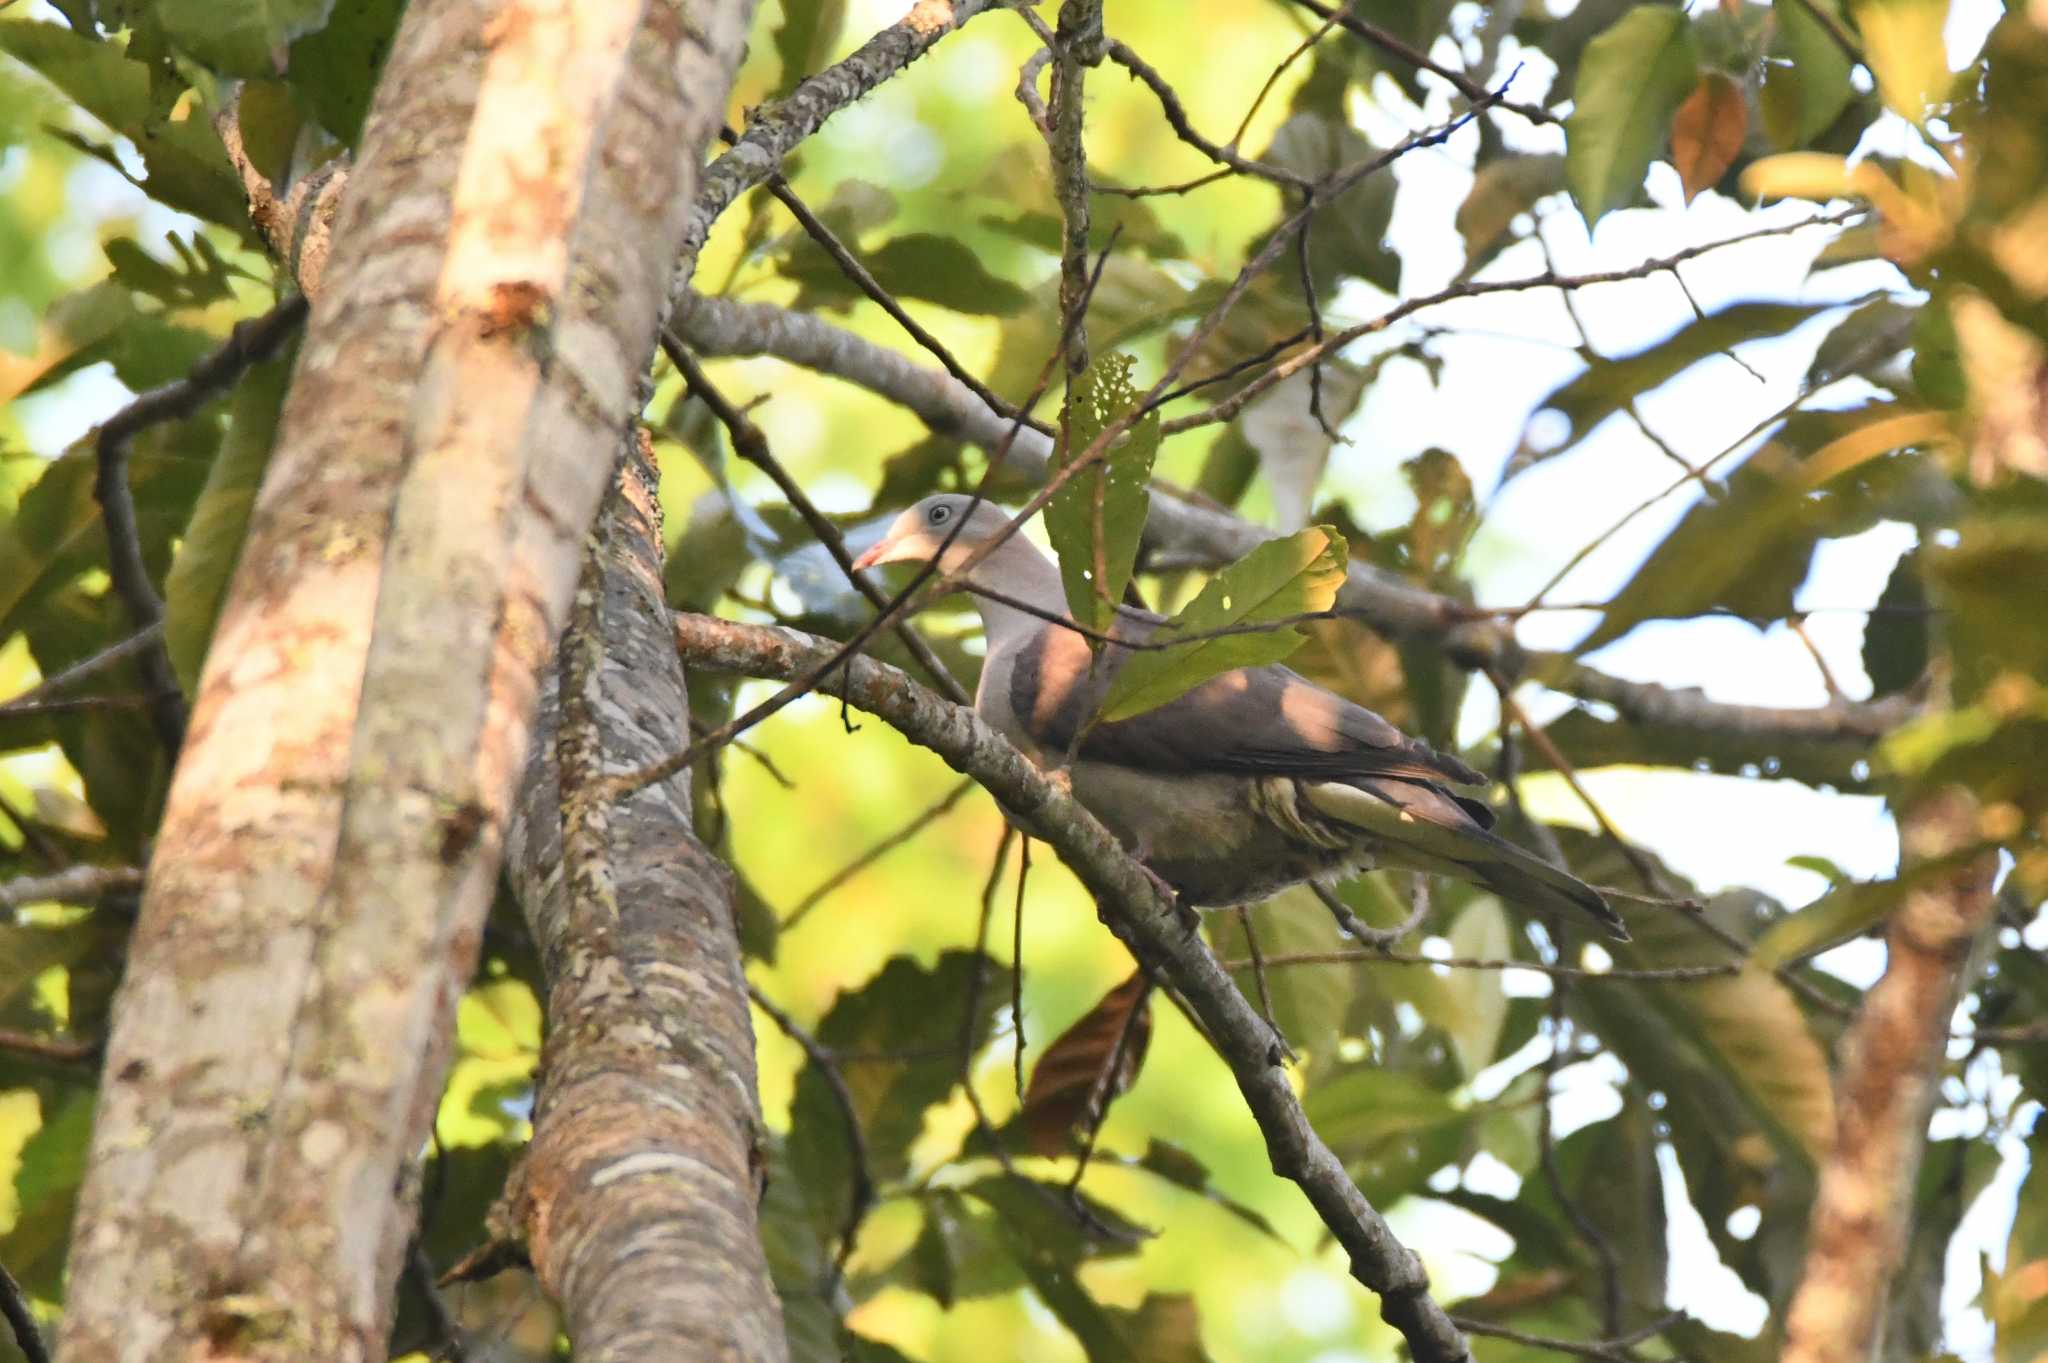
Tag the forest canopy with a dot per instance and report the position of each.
(1647, 403)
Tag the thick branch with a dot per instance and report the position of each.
(1199, 534)
(637, 1196)
(333, 830)
(1147, 924)
(1889, 1078)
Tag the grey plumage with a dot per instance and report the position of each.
(1254, 780)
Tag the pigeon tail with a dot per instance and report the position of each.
(1422, 828)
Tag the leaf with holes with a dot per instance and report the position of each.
(1298, 575)
(1098, 515)
(1088, 1066)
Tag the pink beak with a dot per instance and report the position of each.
(873, 555)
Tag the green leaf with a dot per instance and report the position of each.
(943, 270)
(1169, 1162)
(1095, 520)
(1896, 642)
(1844, 913)
(1806, 81)
(1310, 1002)
(920, 265)
(1632, 79)
(46, 1186)
(1479, 1001)
(1390, 1128)
(798, 1259)
(1502, 189)
(1865, 341)
(805, 38)
(910, 1020)
(1733, 1051)
(2016, 1297)
(1607, 386)
(1349, 236)
(185, 165)
(1281, 578)
(241, 37)
(334, 71)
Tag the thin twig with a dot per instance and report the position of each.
(40, 694)
(861, 1193)
(60, 1049)
(1553, 1174)
(1591, 356)
(929, 815)
(250, 343)
(14, 1305)
(1394, 47)
(1670, 974)
(1475, 288)
(1017, 967)
(850, 265)
(1177, 119)
(1283, 1050)
(1610, 1350)
(751, 444)
(74, 885)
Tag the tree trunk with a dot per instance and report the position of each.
(334, 826)
(1890, 1075)
(637, 1196)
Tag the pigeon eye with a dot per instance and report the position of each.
(939, 514)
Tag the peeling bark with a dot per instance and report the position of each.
(1890, 1075)
(637, 1197)
(334, 826)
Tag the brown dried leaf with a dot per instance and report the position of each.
(1707, 132)
(1071, 1084)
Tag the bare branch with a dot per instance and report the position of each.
(1177, 119)
(861, 1197)
(73, 885)
(14, 1305)
(1394, 47)
(1147, 924)
(925, 818)
(250, 343)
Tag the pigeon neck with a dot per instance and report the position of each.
(1019, 571)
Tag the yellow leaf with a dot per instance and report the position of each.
(1865, 443)
(1903, 43)
(1815, 175)
(1707, 133)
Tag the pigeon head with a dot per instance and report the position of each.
(948, 526)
